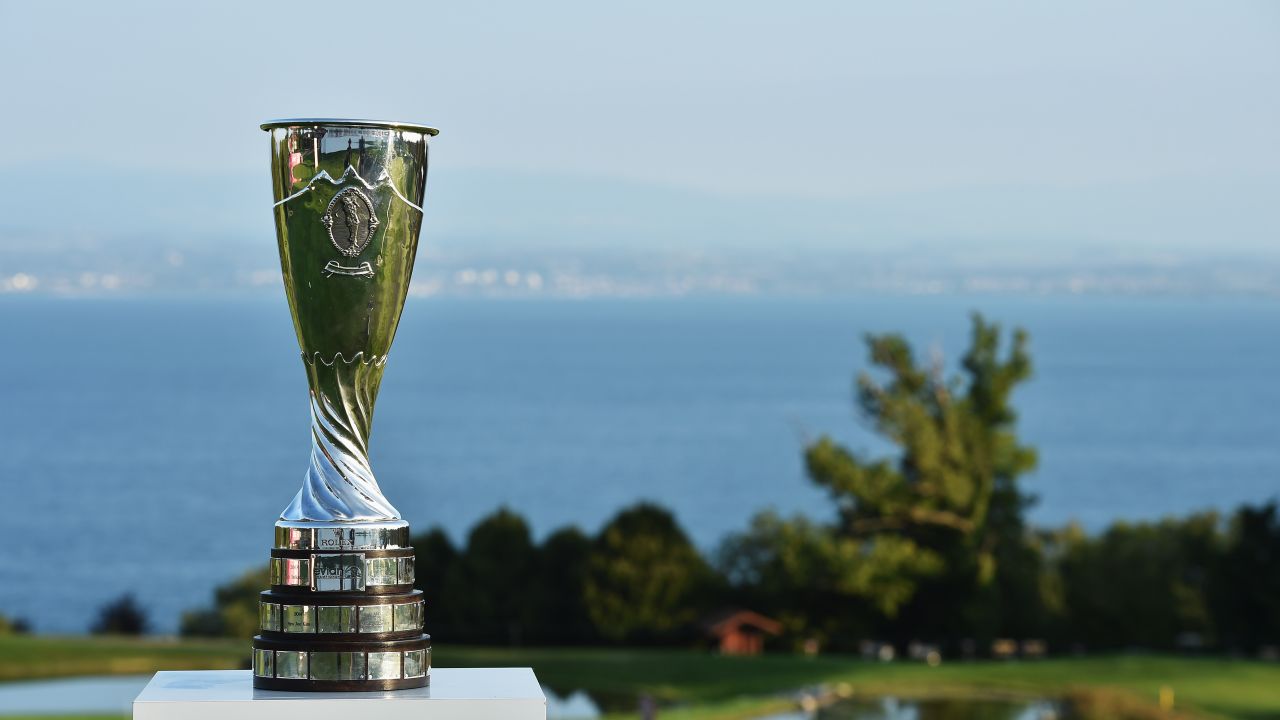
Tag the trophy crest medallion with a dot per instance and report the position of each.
(351, 221)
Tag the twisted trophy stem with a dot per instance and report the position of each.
(339, 484)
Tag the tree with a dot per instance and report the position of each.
(796, 570)
(235, 610)
(15, 626)
(489, 590)
(1140, 584)
(122, 616)
(1248, 581)
(949, 505)
(918, 537)
(644, 578)
(434, 556)
(562, 611)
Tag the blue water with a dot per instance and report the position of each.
(149, 444)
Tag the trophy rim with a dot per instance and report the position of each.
(349, 122)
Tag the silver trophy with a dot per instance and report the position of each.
(342, 613)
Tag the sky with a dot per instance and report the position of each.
(995, 127)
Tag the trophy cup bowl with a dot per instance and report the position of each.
(341, 613)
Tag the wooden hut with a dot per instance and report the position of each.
(741, 632)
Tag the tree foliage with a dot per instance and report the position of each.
(1143, 584)
(13, 626)
(1247, 581)
(643, 576)
(122, 616)
(561, 602)
(927, 543)
(1196, 581)
(489, 588)
(920, 534)
(234, 612)
(958, 466)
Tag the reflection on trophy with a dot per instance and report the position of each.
(342, 613)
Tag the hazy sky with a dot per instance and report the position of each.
(1137, 124)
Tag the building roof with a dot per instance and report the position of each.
(728, 621)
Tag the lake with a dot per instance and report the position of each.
(147, 445)
(891, 708)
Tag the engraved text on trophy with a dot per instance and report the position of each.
(338, 572)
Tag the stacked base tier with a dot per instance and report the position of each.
(341, 613)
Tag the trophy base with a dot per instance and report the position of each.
(341, 666)
(341, 614)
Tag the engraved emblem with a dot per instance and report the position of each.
(350, 220)
(338, 572)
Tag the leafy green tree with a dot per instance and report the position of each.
(434, 555)
(562, 610)
(1140, 584)
(919, 536)
(645, 580)
(489, 591)
(948, 506)
(234, 612)
(796, 570)
(1248, 580)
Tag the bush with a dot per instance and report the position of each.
(122, 616)
(14, 626)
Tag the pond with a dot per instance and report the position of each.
(889, 708)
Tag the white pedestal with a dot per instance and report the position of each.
(454, 694)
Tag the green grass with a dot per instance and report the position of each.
(700, 686)
(37, 656)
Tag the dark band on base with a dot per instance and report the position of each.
(262, 683)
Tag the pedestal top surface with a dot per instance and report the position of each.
(454, 694)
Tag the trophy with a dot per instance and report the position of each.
(342, 613)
